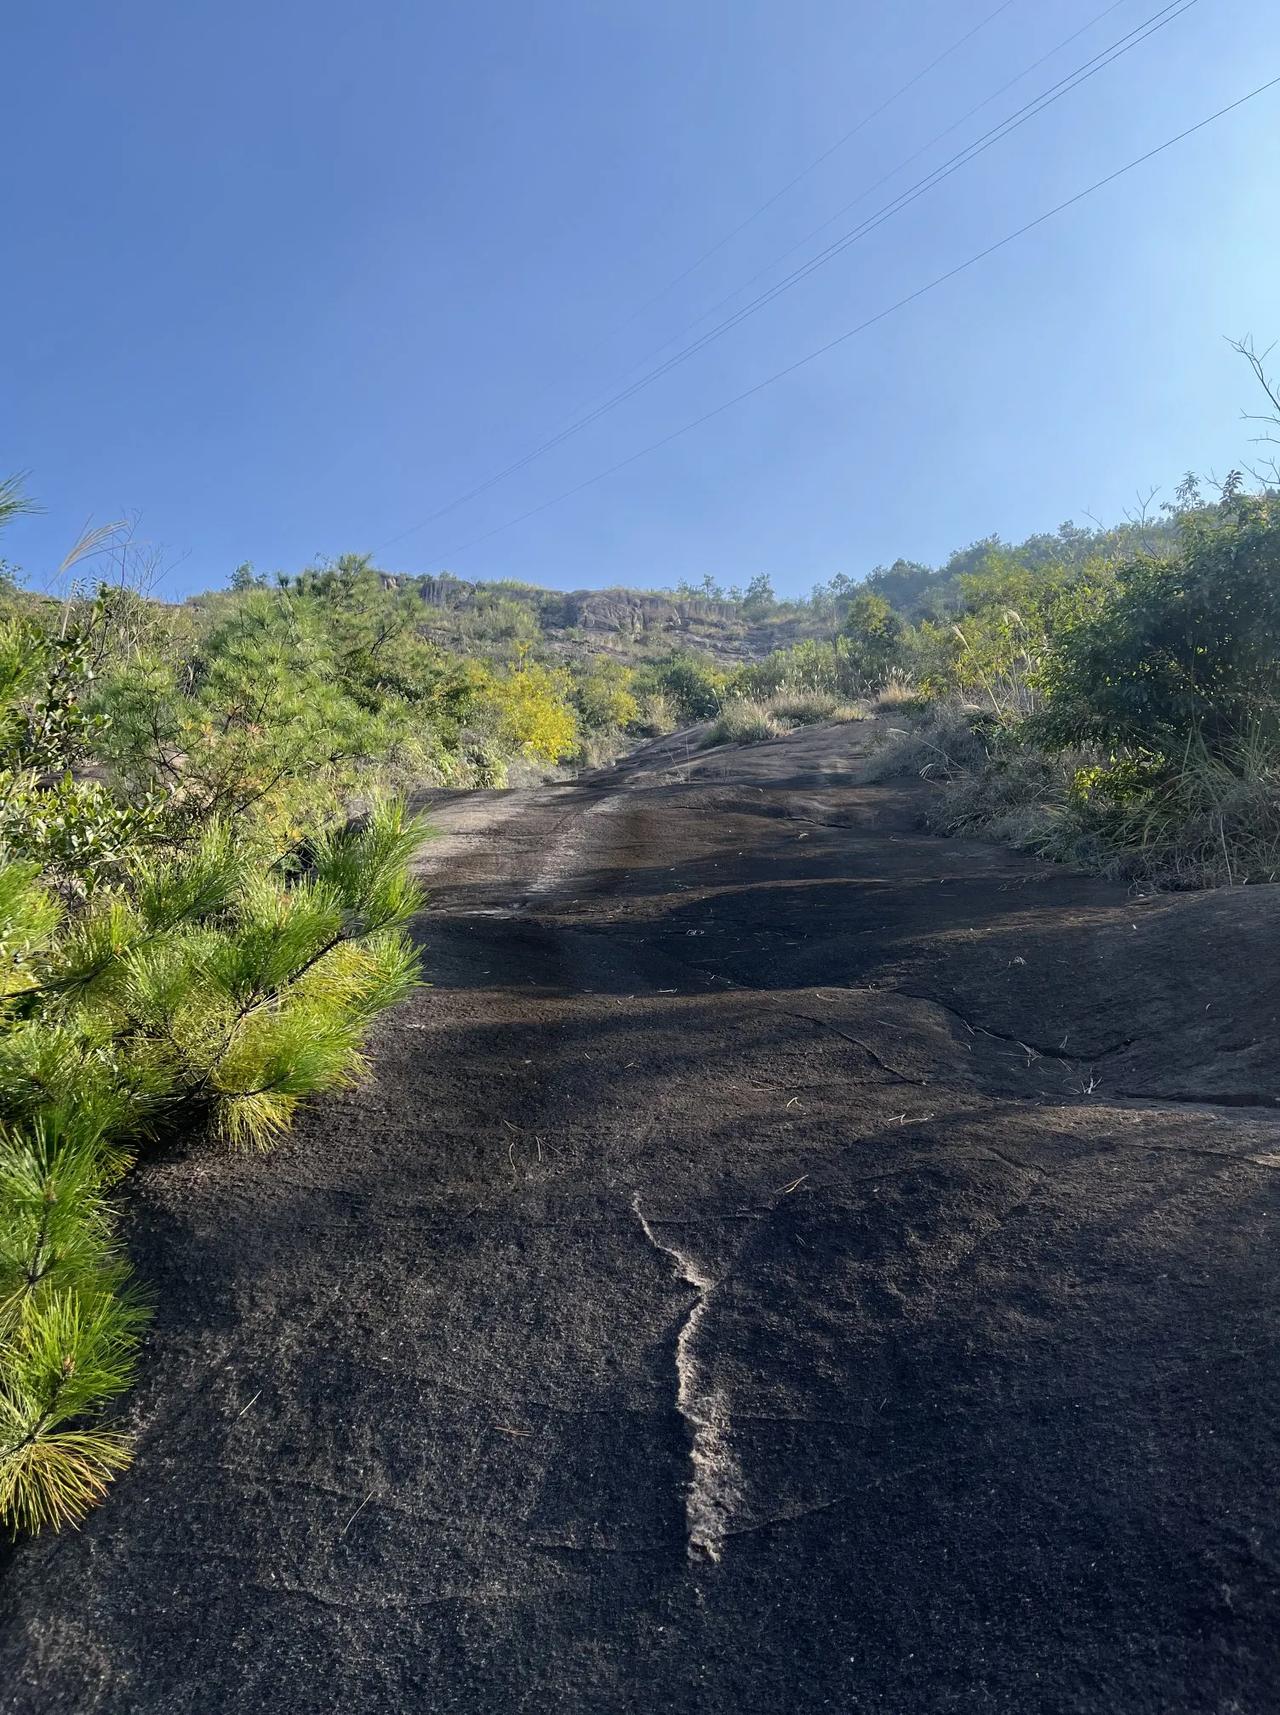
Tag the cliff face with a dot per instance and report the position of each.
(713, 627)
(627, 613)
(443, 591)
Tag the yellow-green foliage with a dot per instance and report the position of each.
(534, 711)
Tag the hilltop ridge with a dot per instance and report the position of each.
(736, 625)
(633, 624)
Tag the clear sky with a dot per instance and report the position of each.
(285, 278)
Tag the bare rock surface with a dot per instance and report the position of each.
(784, 1262)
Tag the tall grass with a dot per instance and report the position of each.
(1211, 819)
(752, 720)
(743, 722)
(944, 742)
(810, 708)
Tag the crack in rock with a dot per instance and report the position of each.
(1059, 1053)
(1218, 1099)
(867, 1049)
(713, 1488)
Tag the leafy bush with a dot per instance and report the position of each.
(604, 696)
(694, 685)
(534, 713)
(873, 633)
(993, 650)
(480, 766)
(1134, 708)
(1188, 643)
(71, 825)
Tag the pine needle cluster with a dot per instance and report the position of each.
(208, 989)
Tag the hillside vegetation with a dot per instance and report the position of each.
(1122, 714)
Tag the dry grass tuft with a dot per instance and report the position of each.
(810, 708)
(898, 696)
(743, 722)
(751, 720)
(945, 742)
(1211, 820)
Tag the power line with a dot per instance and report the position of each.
(1166, 15)
(871, 321)
(814, 164)
(1030, 110)
(1172, 10)
(742, 225)
(874, 186)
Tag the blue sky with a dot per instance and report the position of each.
(284, 279)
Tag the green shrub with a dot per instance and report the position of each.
(823, 667)
(263, 720)
(1181, 645)
(694, 685)
(1212, 819)
(1134, 709)
(873, 635)
(604, 695)
(481, 766)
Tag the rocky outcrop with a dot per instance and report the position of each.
(629, 612)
